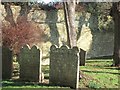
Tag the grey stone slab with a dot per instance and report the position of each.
(30, 64)
(64, 66)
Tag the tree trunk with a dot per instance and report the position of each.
(67, 22)
(71, 16)
(115, 12)
(69, 8)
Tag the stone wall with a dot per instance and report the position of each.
(89, 39)
(102, 45)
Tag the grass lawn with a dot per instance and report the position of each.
(96, 74)
(104, 76)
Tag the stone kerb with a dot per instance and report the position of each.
(64, 66)
(30, 64)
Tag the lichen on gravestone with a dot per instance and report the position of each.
(30, 64)
(64, 66)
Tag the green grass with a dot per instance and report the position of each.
(19, 84)
(97, 74)
(104, 76)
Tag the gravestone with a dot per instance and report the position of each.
(64, 66)
(82, 57)
(30, 64)
(7, 64)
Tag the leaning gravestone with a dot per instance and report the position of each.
(64, 66)
(7, 65)
(30, 64)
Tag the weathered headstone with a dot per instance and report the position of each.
(64, 66)
(30, 64)
(82, 57)
(7, 64)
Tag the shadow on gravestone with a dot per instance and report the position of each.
(7, 64)
(82, 57)
(30, 64)
(64, 66)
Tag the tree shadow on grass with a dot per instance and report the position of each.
(100, 72)
(88, 61)
(46, 77)
(112, 68)
(101, 57)
(19, 83)
(99, 63)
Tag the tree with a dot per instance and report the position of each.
(69, 12)
(19, 32)
(115, 13)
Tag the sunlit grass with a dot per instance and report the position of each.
(104, 75)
